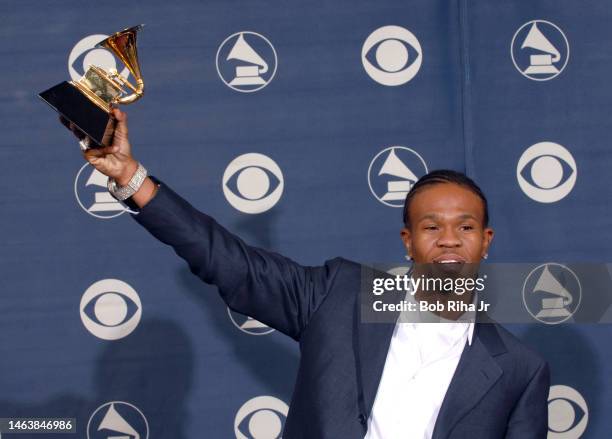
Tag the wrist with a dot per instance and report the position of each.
(123, 192)
(128, 173)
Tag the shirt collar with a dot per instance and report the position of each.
(470, 332)
(469, 316)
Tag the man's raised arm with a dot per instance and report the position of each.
(259, 283)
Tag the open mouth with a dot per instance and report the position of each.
(448, 259)
(448, 266)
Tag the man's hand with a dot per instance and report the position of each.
(115, 160)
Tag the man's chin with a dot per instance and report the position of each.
(451, 270)
(447, 269)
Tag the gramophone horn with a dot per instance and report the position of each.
(123, 45)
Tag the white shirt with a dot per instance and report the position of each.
(420, 364)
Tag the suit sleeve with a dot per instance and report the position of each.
(529, 418)
(255, 282)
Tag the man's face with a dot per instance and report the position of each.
(446, 224)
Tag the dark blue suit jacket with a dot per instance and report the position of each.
(499, 389)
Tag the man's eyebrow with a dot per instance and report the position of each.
(431, 216)
(435, 216)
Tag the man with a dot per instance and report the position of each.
(360, 380)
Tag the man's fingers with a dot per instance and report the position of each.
(90, 157)
(90, 153)
(109, 149)
(121, 118)
(118, 114)
(94, 154)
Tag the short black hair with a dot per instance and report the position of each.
(444, 176)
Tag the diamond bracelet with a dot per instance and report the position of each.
(122, 193)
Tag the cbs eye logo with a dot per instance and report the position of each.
(84, 53)
(110, 309)
(546, 172)
(568, 413)
(253, 183)
(262, 417)
(391, 55)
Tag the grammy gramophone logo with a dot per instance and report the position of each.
(539, 50)
(246, 61)
(117, 419)
(393, 172)
(248, 324)
(552, 293)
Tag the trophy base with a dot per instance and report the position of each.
(93, 121)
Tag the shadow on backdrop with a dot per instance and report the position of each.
(152, 369)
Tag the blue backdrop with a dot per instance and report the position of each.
(299, 126)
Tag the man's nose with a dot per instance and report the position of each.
(448, 238)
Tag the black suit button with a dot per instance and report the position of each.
(362, 419)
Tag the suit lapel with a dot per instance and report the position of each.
(476, 373)
(371, 344)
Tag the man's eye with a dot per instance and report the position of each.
(466, 227)
(431, 227)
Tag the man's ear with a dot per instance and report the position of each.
(487, 237)
(407, 240)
